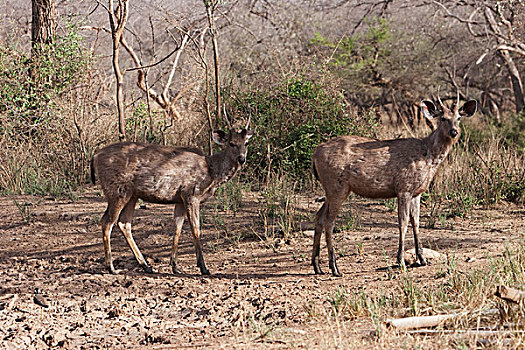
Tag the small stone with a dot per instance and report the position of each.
(428, 254)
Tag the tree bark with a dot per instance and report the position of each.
(117, 20)
(42, 24)
(515, 79)
(210, 12)
(502, 37)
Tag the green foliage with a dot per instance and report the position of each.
(278, 209)
(25, 210)
(58, 65)
(29, 85)
(144, 124)
(291, 120)
(380, 65)
(229, 195)
(360, 60)
(33, 93)
(349, 221)
(361, 53)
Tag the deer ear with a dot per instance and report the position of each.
(468, 109)
(219, 137)
(428, 108)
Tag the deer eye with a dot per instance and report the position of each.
(232, 144)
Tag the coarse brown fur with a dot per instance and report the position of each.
(401, 168)
(182, 176)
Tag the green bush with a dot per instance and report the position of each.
(31, 85)
(291, 120)
(39, 144)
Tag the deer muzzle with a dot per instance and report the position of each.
(241, 160)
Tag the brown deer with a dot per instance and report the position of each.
(185, 177)
(401, 168)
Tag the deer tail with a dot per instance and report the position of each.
(92, 166)
(314, 170)
(316, 175)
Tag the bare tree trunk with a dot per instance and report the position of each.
(208, 113)
(515, 78)
(210, 12)
(42, 24)
(117, 20)
(502, 37)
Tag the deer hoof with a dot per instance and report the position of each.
(318, 271)
(205, 272)
(334, 269)
(176, 270)
(147, 268)
(111, 269)
(422, 261)
(317, 267)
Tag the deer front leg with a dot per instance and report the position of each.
(192, 208)
(319, 221)
(403, 207)
(414, 220)
(179, 221)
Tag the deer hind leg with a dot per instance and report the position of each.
(124, 223)
(179, 221)
(108, 220)
(319, 226)
(331, 211)
(414, 220)
(403, 208)
(192, 209)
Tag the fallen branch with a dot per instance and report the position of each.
(510, 294)
(478, 332)
(436, 320)
(420, 321)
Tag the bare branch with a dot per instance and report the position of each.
(450, 14)
(511, 48)
(174, 66)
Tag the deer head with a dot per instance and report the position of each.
(235, 145)
(448, 117)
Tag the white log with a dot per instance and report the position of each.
(419, 321)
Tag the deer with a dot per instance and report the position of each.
(183, 176)
(399, 168)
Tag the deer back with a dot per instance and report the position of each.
(155, 173)
(162, 174)
(382, 169)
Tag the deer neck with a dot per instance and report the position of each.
(438, 146)
(222, 168)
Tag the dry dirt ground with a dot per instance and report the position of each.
(256, 297)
